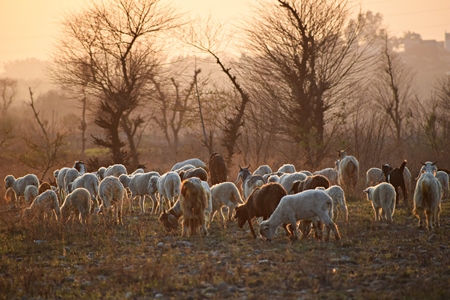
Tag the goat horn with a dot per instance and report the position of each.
(422, 163)
(435, 163)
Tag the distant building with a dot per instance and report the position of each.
(447, 42)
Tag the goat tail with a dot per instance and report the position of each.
(402, 167)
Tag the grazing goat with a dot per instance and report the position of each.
(287, 180)
(193, 202)
(170, 218)
(43, 206)
(30, 194)
(19, 185)
(70, 175)
(348, 171)
(249, 181)
(314, 205)
(329, 173)
(261, 203)
(90, 182)
(196, 172)
(77, 204)
(442, 176)
(110, 194)
(44, 186)
(217, 169)
(197, 163)
(383, 197)
(310, 183)
(168, 186)
(373, 176)
(339, 202)
(427, 196)
(263, 170)
(224, 194)
(138, 186)
(286, 168)
(396, 178)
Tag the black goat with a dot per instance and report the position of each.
(395, 177)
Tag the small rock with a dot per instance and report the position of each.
(160, 245)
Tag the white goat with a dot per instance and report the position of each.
(287, 168)
(373, 176)
(383, 198)
(77, 204)
(90, 182)
(307, 205)
(427, 196)
(348, 171)
(110, 194)
(168, 188)
(225, 194)
(263, 170)
(30, 194)
(43, 206)
(19, 184)
(138, 185)
(70, 175)
(443, 180)
(192, 161)
(339, 202)
(287, 180)
(113, 170)
(329, 173)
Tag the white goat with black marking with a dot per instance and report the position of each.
(43, 206)
(19, 185)
(427, 196)
(110, 194)
(314, 205)
(225, 194)
(383, 197)
(77, 205)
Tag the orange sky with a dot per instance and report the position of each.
(28, 27)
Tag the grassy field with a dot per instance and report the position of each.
(140, 261)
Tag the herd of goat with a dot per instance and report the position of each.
(193, 192)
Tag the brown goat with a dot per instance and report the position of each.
(261, 203)
(193, 201)
(217, 169)
(197, 172)
(43, 187)
(310, 183)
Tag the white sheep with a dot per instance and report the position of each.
(348, 171)
(70, 175)
(113, 170)
(168, 188)
(110, 194)
(373, 176)
(209, 207)
(59, 175)
(427, 196)
(225, 194)
(138, 185)
(90, 182)
(383, 197)
(152, 190)
(286, 168)
(329, 173)
(43, 206)
(339, 202)
(307, 205)
(407, 178)
(263, 170)
(288, 179)
(443, 180)
(30, 194)
(77, 204)
(192, 161)
(19, 184)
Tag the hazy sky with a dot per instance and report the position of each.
(28, 27)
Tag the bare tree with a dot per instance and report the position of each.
(117, 42)
(303, 57)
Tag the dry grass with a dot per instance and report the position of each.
(139, 261)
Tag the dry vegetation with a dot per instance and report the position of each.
(140, 261)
